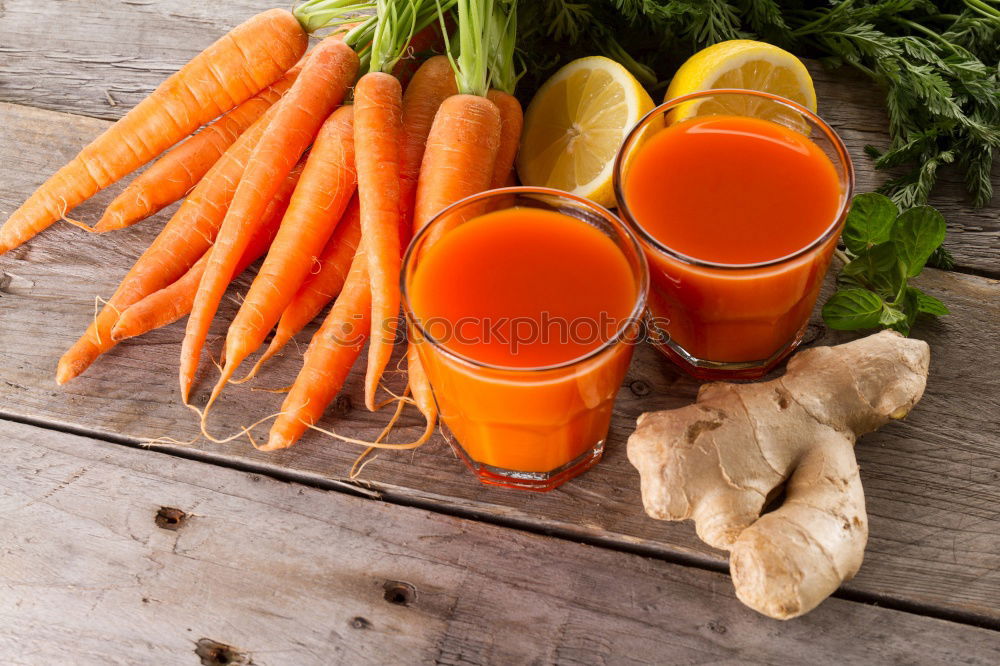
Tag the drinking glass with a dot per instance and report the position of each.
(526, 427)
(734, 321)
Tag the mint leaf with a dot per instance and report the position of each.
(916, 234)
(885, 249)
(891, 316)
(873, 260)
(878, 268)
(869, 222)
(910, 307)
(928, 304)
(851, 309)
(848, 281)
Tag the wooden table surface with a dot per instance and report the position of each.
(112, 551)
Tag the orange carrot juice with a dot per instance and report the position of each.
(520, 315)
(739, 218)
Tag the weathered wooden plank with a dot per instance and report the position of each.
(99, 58)
(287, 574)
(931, 481)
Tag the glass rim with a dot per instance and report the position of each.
(634, 316)
(831, 134)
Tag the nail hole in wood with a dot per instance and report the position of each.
(342, 405)
(399, 592)
(717, 627)
(213, 653)
(170, 518)
(639, 388)
(361, 623)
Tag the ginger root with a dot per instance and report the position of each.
(721, 460)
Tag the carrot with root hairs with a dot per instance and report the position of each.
(511, 124)
(461, 155)
(174, 301)
(328, 183)
(246, 60)
(318, 90)
(378, 101)
(183, 240)
(319, 288)
(178, 170)
(328, 360)
(433, 83)
(458, 162)
(338, 343)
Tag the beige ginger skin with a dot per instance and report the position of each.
(721, 460)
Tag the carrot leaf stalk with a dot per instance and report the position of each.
(360, 21)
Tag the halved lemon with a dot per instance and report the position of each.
(744, 64)
(575, 125)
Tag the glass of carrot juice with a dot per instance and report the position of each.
(524, 304)
(738, 198)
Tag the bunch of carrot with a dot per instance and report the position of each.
(329, 193)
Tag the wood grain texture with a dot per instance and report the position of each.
(932, 481)
(268, 572)
(99, 58)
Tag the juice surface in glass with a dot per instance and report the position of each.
(731, 202)
(519, 310)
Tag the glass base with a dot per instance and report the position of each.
(703, 370)
(536, 481)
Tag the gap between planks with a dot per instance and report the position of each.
(360, 490)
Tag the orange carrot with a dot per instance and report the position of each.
(321, 287)
(246, 60)
(327, 185)
(328, 360)
(420, 388)
(427, 40)
(511, 123)
(318, 90)
(174, 174)
(174, 301)
(460, 156)
(378, 100)
(433, 83)
(183, 240)
(459, 161)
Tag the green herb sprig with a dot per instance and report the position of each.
(884, 249)
(936, 60)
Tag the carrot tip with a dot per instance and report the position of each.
(276, 442)
(70, 370)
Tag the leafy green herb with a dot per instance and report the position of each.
(884, 249)
(936, 60)
(854, 308)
